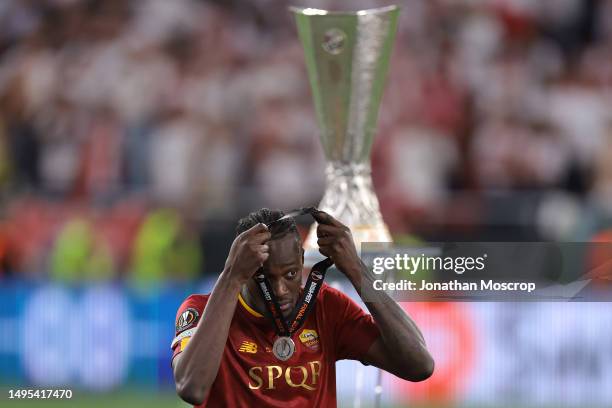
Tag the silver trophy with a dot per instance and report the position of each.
(347, 56)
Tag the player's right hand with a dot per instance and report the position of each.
(248, 253)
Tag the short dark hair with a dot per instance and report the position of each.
(267, 216)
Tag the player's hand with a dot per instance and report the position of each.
(336, 242)
(248, 253)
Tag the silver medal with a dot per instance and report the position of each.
(283, 348)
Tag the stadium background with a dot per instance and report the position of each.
(133, 135)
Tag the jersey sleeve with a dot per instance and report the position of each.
(187, 319)
(355, 330)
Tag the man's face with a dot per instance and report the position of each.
(284, 272)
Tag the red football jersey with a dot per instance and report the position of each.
(250, 374)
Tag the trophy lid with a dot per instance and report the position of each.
(320, 12)
(347, 57)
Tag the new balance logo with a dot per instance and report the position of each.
(248, 347)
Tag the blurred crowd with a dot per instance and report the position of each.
(126, 127)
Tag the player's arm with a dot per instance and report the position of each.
(196, 367)
(401, 348)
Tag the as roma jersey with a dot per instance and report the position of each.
(250, 375)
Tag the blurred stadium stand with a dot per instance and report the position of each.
(495, 126)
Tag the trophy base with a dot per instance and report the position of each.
(360, 235)
(349, 197)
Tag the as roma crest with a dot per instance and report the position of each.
(310, 339)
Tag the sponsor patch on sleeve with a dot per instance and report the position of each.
(187, 319)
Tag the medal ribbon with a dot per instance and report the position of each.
(304, 305)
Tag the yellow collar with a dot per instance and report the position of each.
(247, 307)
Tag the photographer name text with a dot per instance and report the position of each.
(454, 285)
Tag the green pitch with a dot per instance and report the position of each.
(140, 400)
(119, 400)
(123, 400)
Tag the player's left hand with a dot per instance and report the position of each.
(336, 242)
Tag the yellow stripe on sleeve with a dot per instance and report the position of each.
(184, 343)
